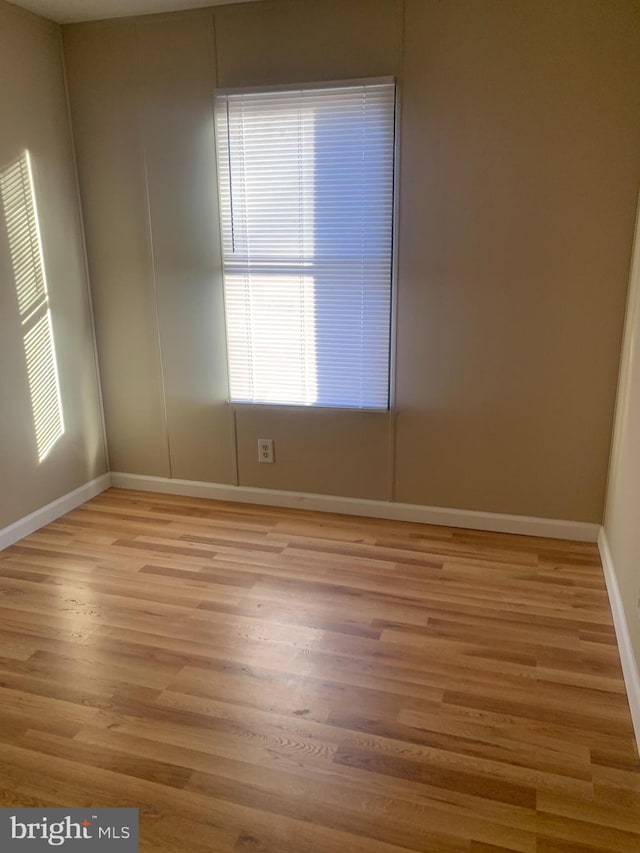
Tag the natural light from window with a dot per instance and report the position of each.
(269, 288)
(306, 201)
(21, 217)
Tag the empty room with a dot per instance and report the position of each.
(320, 426)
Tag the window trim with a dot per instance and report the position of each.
(390, 408)
(296, 87)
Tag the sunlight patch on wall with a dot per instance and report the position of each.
(18, 200)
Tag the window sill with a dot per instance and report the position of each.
(279, 407)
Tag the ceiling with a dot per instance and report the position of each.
(71, 11)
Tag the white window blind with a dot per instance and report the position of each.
(306, 196)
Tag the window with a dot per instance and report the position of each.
(306, 197)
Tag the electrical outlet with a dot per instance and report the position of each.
(265, 450)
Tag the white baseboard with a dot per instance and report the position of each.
(496, 522)
(46, 514)
(627, 657)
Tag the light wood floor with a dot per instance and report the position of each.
(262, 680)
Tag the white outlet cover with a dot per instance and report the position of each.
(265, 450)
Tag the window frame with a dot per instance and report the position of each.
(393, 277)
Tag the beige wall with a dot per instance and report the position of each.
(519, 167)
(306, 442)
(623, 494)
(34, 118)
(143, 123)
(142, 99)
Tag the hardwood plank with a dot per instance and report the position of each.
(261, 680)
